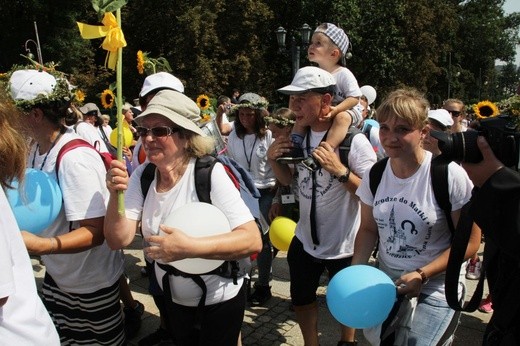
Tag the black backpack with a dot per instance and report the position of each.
(249, 193)
(344, 147)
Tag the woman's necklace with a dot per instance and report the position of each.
(46, 155)
(250, 157)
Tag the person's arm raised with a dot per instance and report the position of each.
(119, 231)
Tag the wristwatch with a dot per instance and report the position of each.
(344, 178)
(424, 278)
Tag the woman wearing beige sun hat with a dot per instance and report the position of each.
(173, 142)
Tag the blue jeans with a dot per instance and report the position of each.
(265, 257)
(431, 318)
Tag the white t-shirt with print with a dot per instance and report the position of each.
(23, 318)
(412, 226)
(337, 210)
(159, 205)
(251, 153)
(82, 181)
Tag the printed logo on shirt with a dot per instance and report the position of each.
(404, 238)
(306, 185)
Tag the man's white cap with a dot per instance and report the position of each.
(310, 78)
(29, 84)
(442, 116)
(161, 80)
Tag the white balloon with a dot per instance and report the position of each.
(369, 92)
(198, 220)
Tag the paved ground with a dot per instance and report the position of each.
(274, 324)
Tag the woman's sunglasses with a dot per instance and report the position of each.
(159, 131)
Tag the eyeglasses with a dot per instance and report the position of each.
(454, 113)
(159, 131)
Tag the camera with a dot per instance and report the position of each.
(500, 132)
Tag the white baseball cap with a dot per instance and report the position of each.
(161, 80)
(310, 78)
(27, 85)
(442, 116)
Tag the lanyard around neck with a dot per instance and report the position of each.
(46, 155)
(250, 157)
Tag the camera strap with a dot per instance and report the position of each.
(455, 260)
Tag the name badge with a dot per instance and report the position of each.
(288, 199)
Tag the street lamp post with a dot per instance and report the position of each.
(305, 34)
(449, 74)
(37, 44)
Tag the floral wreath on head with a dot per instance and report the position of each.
(283, 122)
(249, 100)
(63, 90)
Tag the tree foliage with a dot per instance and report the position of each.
(442, 47)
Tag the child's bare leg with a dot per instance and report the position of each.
(338, 131)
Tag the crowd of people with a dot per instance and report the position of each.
(298, 162)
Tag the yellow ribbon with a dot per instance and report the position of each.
(114, 37)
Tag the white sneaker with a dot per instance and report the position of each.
(473, 269)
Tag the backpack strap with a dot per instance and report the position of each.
(147, 178)
(203, 168)
(344, 147)
(376, 174)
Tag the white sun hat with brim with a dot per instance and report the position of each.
(28, 85)
(30, 88)
(175, 106)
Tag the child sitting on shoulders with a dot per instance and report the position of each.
(328, 48)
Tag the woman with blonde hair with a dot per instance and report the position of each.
(413, 232)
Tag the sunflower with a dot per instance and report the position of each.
(140, 62)
(79, 95)
(107, 99)
(203, 102)
(486, 109)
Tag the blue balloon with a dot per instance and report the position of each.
(37, 202)
(372, 122)
(360, 296)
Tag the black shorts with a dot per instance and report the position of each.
(217, 324)
(305, 271)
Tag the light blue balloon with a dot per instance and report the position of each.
(371, 122)
(37, 202)
(360, 296)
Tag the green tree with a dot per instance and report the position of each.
(216, 45)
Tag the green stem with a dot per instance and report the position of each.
(119, 102)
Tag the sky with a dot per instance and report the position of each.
(513, 6)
